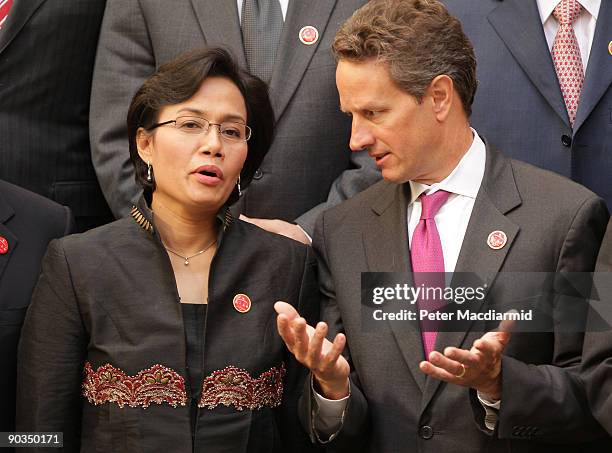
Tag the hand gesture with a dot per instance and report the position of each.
(310, 347)
(478, 368)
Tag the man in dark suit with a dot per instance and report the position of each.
(450, 202)
(520, 105)
(27, 223)
(309, 166)
(47, 50)
(597, 355)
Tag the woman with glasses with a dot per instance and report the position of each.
(157, 332)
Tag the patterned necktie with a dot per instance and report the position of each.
(262, 23)
(566, 56)
(427, 256)
(5, 5)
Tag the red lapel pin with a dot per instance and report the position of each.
(497, 239)
(242, 303)
(4, 247)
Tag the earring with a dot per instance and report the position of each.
(238, 184)
(149, 177)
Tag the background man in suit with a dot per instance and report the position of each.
(309, 166)
(522, 106)
(449, 202)
(27, 223)
(47, 50)
(597, 355)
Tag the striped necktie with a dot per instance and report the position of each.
(5, 6)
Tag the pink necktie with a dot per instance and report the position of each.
(566, 56)
(427, 256)
(5, 5)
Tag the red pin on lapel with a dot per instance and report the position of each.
(3, 245)
(242, 303)
(610, 47)
(309, 35)
(497, 239)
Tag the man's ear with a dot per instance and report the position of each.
(144, 142)
(441, 92)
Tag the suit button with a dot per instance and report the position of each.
(258, 174)
(426, 432)
(566, 140)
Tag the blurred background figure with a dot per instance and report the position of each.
(545, 83)
(27, 223)
(286, 43)
(171, 309)
(47, 50)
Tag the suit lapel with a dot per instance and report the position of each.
(385, 242)
(221, 26)
(517, 22)
(498, 195)
(19, 14)
(293, 57)
(6, 213)
(599, 69)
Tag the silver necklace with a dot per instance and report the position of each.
(187, 258)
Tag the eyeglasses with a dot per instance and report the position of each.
(195, 125)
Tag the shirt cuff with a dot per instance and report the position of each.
(305, 234)
(328, 414)
(491, 408)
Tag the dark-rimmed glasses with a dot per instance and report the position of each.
(196, 125)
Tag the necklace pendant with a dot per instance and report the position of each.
(186, 262)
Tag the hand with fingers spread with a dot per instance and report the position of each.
(478, 368)
(310, 347)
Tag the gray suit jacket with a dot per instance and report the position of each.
(519, 105)
(552, 225)
(309, 166)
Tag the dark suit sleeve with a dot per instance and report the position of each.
(294, 437)
(548, 402)
(596, 372)
(352, 434)
(361, 175)
(68, 224)
(123, 61)
(51, 355)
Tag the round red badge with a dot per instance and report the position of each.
(497, 239)
(309, 35)
(242, 303)
(3, 245)
(610, 47)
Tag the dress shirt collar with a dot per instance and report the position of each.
(546, 7)
(464, 180)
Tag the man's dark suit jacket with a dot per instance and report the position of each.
(47, 50)
(552, 225)
(519, 105)
(597, 356)
(309, 166)
(27, 222)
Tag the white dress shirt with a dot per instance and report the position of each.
(453, 217)
(283, 3)
(584, 26)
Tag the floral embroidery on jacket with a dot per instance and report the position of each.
(156, 384)
(233, 386)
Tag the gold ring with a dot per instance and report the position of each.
(460, 375)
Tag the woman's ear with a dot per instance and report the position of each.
(144, 142)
